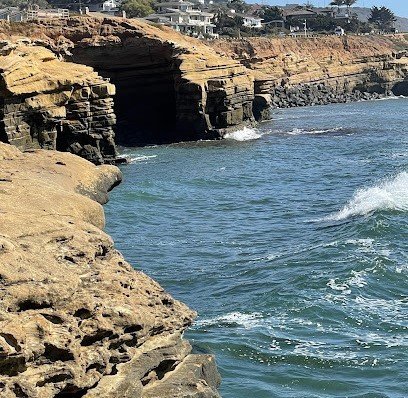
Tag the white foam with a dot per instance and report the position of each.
(138, 158)
(357, 279)
(246, 134)
(338, 286)
(247, 321)
(298, 131)
(391, 194)
(391, 97)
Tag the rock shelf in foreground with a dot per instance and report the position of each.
(76, 320)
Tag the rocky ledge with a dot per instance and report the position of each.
(313, 71)
(46, 103)
(169, 87)
(76, 320)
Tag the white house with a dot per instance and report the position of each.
(339, 31)
(109, 7)
(185, 17)
(250, 21)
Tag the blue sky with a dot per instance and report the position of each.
(400, 7)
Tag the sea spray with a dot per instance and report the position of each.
(391, 194)
(299, 131)
(132, 158)
(245, 134)
(223, 226)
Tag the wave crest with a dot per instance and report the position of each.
(298, 131)
(391, 194)
(137, 158)
(246, 134)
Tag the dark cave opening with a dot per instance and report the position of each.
(401, 88)
(145, 107)
(145, 100)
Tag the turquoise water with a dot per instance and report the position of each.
(290, 241)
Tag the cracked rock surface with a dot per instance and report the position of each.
(75, 318)
(50, 104)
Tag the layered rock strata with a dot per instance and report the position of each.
(310, 94)
(309, 71)
(46, 103)
(169, 87)
(75, 319)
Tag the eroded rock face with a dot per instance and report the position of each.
(297, 71)
(50, 104)
(75, 318)
(169, 87)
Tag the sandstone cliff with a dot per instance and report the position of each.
(332, 65)
(169, 87)
(75, 319)
(46, 103)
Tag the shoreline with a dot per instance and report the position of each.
(77, 318)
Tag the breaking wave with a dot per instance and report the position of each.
(298, 131)
(138, 158)
(391, 194)
(245, 134)
(247, 321)
(392, 97)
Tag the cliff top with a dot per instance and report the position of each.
(27, 69)
(61, 36)
(311, 59)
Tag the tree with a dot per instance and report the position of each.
(23, 4)
(338, 4)
(383, 18)
(268, 13)
(349, 3)
(238, 5)
(322, 23)
(137, 8)
(227, 24)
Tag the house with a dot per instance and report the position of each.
(185, 17)
(295, 13)
(11, 14)
(328, 12)
(250, 21)
(339, 31)
(108, 7)
(343, 16)
(298, 12)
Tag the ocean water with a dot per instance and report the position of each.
(290, 240)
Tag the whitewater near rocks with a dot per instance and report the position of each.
(291, 246)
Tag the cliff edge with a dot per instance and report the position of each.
(169, 87)
(46, 103)
(308, 71)
(75, 318)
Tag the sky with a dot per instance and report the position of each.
(399, 7)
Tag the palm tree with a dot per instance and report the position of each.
(338, 4)
(349, 3)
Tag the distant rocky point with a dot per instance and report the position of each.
(139, 84)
